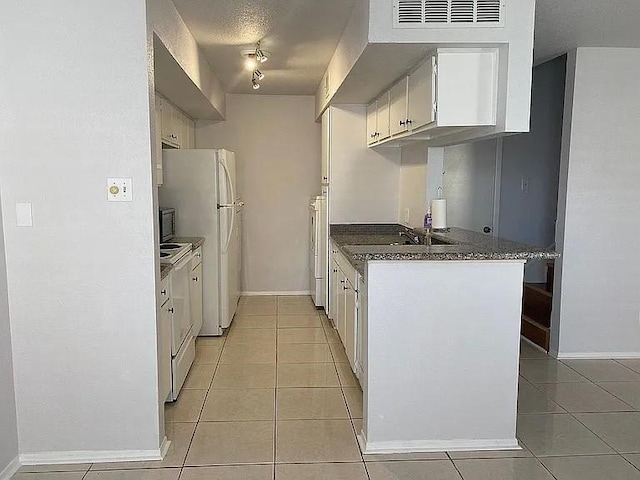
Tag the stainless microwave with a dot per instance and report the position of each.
(167, 224)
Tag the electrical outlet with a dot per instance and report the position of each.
(524, 184)
(119, 189)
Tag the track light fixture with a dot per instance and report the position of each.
(261, 56)
(254, 58)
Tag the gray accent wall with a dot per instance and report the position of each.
(528, 212)
(8, 426)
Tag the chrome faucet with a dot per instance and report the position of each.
(414, 239)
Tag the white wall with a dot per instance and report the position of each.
(364, 181)
(277, 143)
(596, 304)
(81, 281)
(529, 215)
(469, 184)
(413, 185)
(8, 425)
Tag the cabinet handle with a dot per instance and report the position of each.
(345, 288)
(170, 310)
(198, 255)
(373, 135)
(163, 292)
(342, 282)
(335, 270)
(409, 122)
(402, 122)
(195, 279)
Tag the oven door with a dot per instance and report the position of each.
(181, 315)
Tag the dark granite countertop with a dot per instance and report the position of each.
(165, 268)
(194, 241)
(361, 243)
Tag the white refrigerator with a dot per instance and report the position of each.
(201, 185)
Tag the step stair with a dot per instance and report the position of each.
(537, 300)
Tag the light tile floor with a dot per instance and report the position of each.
(275, 399)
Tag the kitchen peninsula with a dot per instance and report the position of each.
(436, 332)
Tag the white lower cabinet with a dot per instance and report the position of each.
(344, 306)
(164, 341)
(195, 292)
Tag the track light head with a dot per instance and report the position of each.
(255, 84)
(258, 74)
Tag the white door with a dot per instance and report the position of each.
(227, 214)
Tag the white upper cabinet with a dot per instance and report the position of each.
(326, 146)
(398, 107)
(452, 90)
(177, 129)
(372, 122)
(421, 97)
(378, 119)
(383, 116)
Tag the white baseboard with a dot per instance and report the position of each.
(289, 293)
(428, 446)
(597, 355)
(90, 456)
(164, 448)
(8, 471)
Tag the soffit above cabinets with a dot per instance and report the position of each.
(300, 34)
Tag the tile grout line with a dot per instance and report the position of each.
(275, 395)
(184, 461)
(588, 380)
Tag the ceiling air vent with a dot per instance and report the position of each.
(410, 12)
(448, 13)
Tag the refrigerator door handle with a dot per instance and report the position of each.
(233, 210)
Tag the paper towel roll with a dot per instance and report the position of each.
(439, 213)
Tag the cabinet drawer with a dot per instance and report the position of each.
(196, 259)
(346, 267)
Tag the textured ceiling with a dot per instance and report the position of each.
(300, 34)
(562, 25)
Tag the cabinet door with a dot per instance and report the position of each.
(195, 297)
(192, 134)
(326, 145)
(334, 291)
(166, 116)
(341, 324)
(158, 140)
(398, 107)
(372, 123)
(421, 96)
(383, 117)
(350, 323)
(164, 351)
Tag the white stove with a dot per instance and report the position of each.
(173, 252)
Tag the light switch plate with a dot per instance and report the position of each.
(24, 215)
(119, 189)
